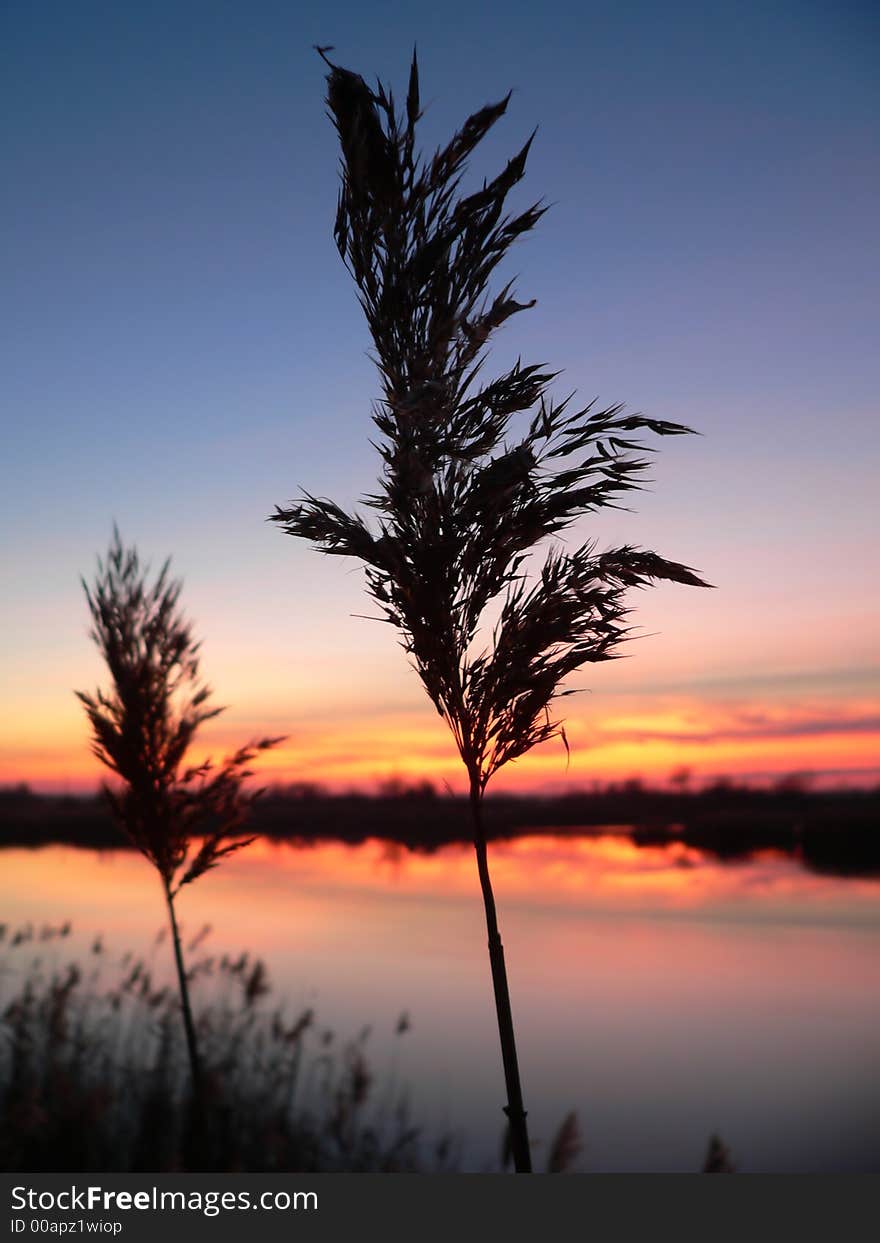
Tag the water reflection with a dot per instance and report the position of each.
(659, 992)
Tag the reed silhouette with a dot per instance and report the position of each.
(475, 474)
(718, 1158)
(93, 1073)
(184, 818)
(93, 1070)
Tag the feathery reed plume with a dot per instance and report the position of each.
(718, 1159)
(566, 1147)
(142, 729)
(465, 495)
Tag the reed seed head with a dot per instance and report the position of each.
(476, 473)
(144, 724)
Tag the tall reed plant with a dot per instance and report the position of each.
(184, 818)
(476, 473)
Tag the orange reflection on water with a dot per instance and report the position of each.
(593, 874)
(657, 990)
(548, 869)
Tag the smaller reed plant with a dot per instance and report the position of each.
(184, 818)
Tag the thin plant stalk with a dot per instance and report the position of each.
(515, 1110)
(192, 1046)
(477, 475)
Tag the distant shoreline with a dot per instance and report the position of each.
(834, 832)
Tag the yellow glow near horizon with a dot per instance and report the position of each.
(362, 749)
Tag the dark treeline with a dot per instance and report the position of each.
(831, 831)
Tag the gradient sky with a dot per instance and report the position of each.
(182, 349)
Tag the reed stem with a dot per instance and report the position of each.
(514, 1109)
(188, 1023)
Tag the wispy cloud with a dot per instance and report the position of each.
(747, 725)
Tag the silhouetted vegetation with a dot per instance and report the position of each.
(94, 1073)
(718, 1159)
(183, 818)
(93, 1076)
(466, 495)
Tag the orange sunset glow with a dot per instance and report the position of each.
(611, 743)
(605, 874)
(440, 664)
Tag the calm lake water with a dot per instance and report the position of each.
(659, 993)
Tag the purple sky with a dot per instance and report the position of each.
(182, 348)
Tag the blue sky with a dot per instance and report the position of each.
(182, 348)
